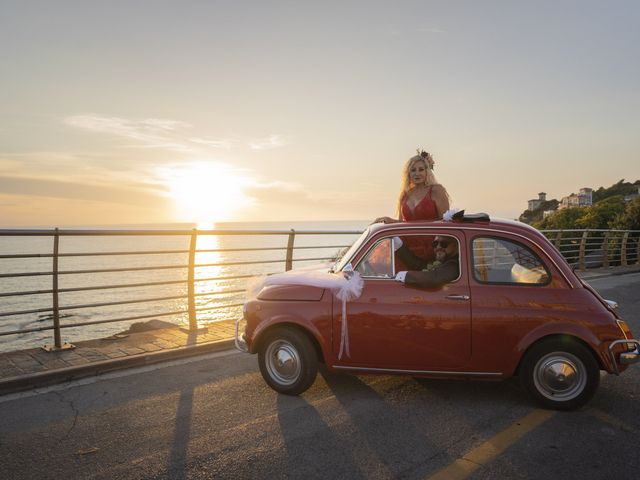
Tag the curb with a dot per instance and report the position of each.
(45, 379)
(590, 276)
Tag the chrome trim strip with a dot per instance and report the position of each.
(413, 372)
(393, 257)
(528, 240)
(457, 228)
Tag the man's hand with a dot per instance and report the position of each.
(385, 220)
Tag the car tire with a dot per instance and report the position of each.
(288, 361)
(560, 374)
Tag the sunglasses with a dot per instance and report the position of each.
(442, 243)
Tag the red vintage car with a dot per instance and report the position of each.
(516, 308)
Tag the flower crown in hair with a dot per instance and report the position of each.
(426, 156)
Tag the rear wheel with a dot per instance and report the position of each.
(560, 374)
(288, 361)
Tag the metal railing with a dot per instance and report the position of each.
(592, 248)
(234, 262)
(223, 268)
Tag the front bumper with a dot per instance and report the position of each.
(626, 358)
(240, 340)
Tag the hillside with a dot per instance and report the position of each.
(610, 209)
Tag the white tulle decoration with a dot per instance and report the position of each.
(344, 287)
(448, 215)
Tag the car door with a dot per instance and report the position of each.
(393, 326)
(516, 290)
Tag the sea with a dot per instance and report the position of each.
(213, 297)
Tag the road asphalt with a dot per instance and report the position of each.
(213, 416)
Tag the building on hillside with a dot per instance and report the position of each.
(548, 213)
(632, 196)
(535, 203)
(583, 199)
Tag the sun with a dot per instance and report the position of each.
(207, 192)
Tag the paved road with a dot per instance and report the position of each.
(213, 417)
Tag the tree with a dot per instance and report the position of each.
(602, 214)
(629, 219)
(621, 188)
(562, 219)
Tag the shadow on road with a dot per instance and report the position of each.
(177, 466)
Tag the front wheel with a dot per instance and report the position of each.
(560, 374)
(288, 361)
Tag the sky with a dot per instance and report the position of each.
(206, 111)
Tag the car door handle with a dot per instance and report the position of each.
(457, 297)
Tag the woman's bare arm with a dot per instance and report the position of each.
(441, 199)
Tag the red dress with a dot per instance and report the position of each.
(424, 210)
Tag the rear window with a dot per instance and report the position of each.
(497, 260)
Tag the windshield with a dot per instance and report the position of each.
(339, 265)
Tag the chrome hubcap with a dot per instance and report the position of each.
(283, 362)
(560, 376)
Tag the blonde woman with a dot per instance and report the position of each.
(421, 196)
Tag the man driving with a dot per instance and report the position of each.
(424, 274)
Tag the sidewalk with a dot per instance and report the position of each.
(32, 368)
(608, 272)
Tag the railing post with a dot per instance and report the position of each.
(583, 247)
(57, 337)
(558, 240)
(289, 261)
(623, 249)
(605, 250)
(193, 321)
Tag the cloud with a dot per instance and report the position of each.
(215, 143)
(136, 194)
(150, 132)
(150, 128)
(83, 168)
(272, 141)
(166, 134)
(288, 193)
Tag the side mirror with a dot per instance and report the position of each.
(348, 269)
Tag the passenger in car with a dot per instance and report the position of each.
(424, 274)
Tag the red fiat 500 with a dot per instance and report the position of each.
(512, 306)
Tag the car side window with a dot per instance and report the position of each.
(497, 260)
(378, 262)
